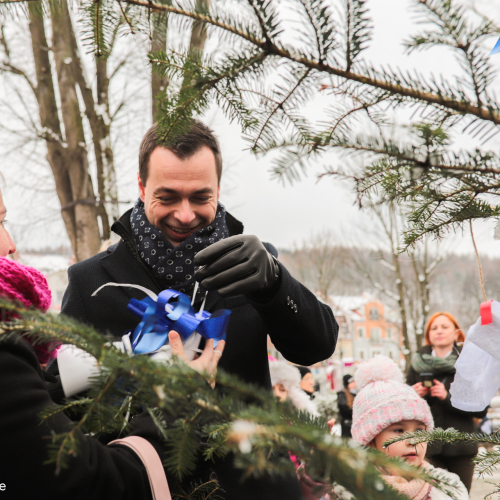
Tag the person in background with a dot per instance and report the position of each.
(285, 379)
(345, 400)
(431, 373)
(97, 471)
(307, 381)
(384, 409)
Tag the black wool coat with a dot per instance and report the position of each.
(97, 472)
(299, 325)
(445, 415)
(345, 414)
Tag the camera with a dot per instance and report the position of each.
(427, 379)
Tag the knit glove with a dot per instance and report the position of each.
(239, 264)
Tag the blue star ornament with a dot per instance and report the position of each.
(496, 48)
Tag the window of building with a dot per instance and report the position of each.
(361, 355)
(376, 353)
(389, 332)
(375, 334)
(374, 314)
(361, 332)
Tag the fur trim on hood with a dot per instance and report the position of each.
(289, 376)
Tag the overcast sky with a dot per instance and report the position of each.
(282, 214)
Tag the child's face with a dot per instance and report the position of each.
(280, 392)
(412, 454)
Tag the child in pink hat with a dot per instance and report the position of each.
(385, 408)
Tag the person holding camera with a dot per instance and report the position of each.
(431, 373)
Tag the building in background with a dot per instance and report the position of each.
(367, 328)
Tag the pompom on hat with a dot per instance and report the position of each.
(384, 399)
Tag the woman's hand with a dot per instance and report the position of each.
(330, 424)
(438, 390)
(206, 363)
(420, 389)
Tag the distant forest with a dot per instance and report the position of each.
(452, 285)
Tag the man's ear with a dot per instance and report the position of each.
(142, 188)
(218, 192)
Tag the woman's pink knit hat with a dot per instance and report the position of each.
(384, 399)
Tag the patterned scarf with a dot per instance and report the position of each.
(428, 363)
(174, 266)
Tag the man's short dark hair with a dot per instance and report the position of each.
(183, 146)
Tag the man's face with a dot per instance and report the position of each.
(180, 196)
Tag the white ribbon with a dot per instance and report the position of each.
(148, 292)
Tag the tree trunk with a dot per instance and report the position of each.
(159, 42)
(198, 32)
(402, 309)
(87, 235)
(51, 127)
(108, 189)
(100, 126)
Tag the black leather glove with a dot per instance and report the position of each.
(239, 264)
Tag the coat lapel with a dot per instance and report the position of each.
(123, 267)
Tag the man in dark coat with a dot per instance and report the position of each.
(178, 228)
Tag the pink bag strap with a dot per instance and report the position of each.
(156, 474)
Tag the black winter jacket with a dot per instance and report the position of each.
(345, 414)
(304, 334)
(96, 472)
(445, 415)
(301, 328)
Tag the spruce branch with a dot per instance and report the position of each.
(373, 78)
(188, 413)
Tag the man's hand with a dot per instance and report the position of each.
(239, 264)
(420, 389)
(438, 390)
(206, 364)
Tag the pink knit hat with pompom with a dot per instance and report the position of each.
(29, 287)
(384, 399)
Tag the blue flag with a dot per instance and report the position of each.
(496, 48)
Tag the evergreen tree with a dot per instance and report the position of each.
(266, 72)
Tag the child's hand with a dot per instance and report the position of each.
(206, 364)
(420, 389)
(438, 390)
